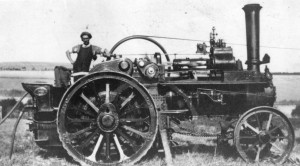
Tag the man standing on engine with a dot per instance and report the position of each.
(85, 54)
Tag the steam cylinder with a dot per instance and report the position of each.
(252, 32)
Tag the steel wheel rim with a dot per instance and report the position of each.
(264, 135)
(117, 127)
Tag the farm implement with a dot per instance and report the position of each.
(123, 107)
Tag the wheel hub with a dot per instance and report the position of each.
(264, 137)
(108, 119)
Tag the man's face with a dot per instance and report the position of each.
(85, 39)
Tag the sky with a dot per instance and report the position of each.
(42, 30)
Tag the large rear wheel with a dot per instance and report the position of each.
(107, 119)
(264, 134)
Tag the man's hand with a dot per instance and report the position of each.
(68, 53)
(106, 53)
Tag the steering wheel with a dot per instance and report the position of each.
(140, 37)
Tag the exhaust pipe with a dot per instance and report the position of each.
(252, 32)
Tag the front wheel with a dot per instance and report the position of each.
(264, 134)
(107, 119)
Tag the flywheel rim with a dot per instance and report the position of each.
(119, 133)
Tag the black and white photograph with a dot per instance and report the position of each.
(149, 82)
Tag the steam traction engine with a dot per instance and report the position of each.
(113, 115)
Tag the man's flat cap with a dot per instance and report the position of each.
(86, 33)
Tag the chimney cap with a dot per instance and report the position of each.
(254, 6)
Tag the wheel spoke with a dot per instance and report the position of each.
(87, 141)
(128, 120)
(90, 103)
(93, 86)
(77, 120)
(95, 91)
(131, 110)
(258, 152)
(87, 112)
(126, 101)
(73, 135)
(272, 130)
(121, 152)
(277, 147)
(245, 137)
(258, 121)
(107, 152)
(280, 137)
(92, 157)
(269, 122)
(107, 93)
(127, 138)
(251, 127)
(119, 90)
(142, 134)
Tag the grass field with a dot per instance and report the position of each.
(26, 153)
(13, 79)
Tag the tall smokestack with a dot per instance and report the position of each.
(252, 31)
